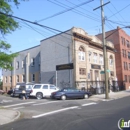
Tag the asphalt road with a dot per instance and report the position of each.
(75, 115)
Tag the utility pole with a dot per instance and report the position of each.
(104, 47)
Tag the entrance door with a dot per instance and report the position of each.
(96, 74)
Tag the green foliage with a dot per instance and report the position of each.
(7, 25)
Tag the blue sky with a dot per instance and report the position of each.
(28, 35)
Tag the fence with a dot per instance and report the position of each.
(98, 87)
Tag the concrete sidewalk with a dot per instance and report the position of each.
(112, 95)
(7, 115)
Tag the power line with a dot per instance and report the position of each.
(120, 10)
(35, 23)
(68, 8)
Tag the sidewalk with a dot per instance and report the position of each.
(7, 115)
(112, 95)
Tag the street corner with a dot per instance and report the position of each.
(7, 115)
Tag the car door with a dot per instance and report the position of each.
(69, 93)
(77, 93)
(45, 90)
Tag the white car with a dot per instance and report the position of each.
(43, 90)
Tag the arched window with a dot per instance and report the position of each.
(81, 54)
(111, 60)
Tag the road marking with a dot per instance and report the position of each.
(107, 100)
(18, 104)
(53, 112)
(45, 103)
(18, 108)
(6, 100)
(92, 103)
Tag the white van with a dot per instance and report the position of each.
(43, 90)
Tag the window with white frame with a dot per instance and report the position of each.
(32, 61)
(95, 57)
(39, 60)
(81, 54)
(17, 78)
(5, 79)
(17, 65)
(101, 59)
(22, 64)
(33, 77)
(10, 79)
(89, 55)
(23, 78)
(111, 60)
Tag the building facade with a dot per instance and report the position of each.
(73, 47)
(121, 42)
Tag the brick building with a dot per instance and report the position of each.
(121, 42)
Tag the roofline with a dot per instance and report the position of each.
(28, 48)
(57, 34)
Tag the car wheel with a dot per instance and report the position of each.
(86, 96)
(39, 95)
(63, 97)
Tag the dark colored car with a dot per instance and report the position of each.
(70, 93)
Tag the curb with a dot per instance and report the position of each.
(18, 115)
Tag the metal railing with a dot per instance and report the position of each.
(98, 87)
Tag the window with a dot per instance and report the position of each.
(123, 53)
(124, 66)
(33, 77)
(129, 78)
(122, 40)
(22, 64)
(128, 55)
(45, 87)
(5, 79)
(39, 60)
(39, 76)
(52, 87)
(17, 78)
(82, 71)
(101, 59)
(23, 78)
(37, 87)
(32, 61)
(111, 60)
(81, 54)
(95, 57)
(17, 65)
(127, 43)
(125, 78)
(90, 53)
(10, 79)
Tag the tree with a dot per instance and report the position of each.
(7, 25)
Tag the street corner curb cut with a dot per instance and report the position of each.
(18, 115)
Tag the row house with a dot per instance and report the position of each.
(73, 47)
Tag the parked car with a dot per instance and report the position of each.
(2, 92)
(70, 93)
(17, 91)
(43, 90)
(10, 92)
